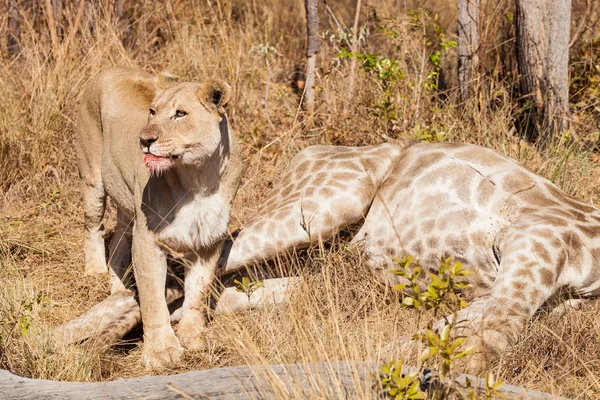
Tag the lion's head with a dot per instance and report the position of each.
(183, 125)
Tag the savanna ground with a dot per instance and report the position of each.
(342, 311)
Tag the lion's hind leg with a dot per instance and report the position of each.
(94, 205)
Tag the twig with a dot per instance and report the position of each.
(583, 23)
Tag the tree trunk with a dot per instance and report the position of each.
(468, 46)
(312, 49)
(543, 32)
(14, 28)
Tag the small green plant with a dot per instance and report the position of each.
(387, 73)
(25, 320)
(395, 384)
(53, 201)
(443, 291)
(247, 286)
(441, 294)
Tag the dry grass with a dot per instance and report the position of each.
(342, 311)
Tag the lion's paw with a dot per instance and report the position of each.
(162, 351)
(95, 266)
(192, 336)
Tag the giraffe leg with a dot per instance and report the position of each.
(119, 258)
(526, 278)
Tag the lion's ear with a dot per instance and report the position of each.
(165, 80)
(215, 93)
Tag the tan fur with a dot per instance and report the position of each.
(179, 201)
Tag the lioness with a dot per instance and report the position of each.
(164, 154)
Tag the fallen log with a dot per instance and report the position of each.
(342, 379)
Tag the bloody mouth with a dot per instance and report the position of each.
(157, 164)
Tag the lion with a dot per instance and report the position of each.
(165, 155)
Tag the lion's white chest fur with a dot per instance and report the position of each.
(197, 223)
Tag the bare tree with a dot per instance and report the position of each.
(312, 49)
(468, 45)
(14, 28)
(543, 31)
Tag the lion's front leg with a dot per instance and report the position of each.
(161, 346)
(199, 275)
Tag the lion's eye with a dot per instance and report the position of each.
(180, 114)
(152, 112)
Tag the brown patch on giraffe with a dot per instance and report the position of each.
(546, 233)
(433, 242)
(326, 192)
(547, 277)
(518, 285)
(344, 176)
(517, 181)
(479, 239)
(310, 206)
(518, 295)
(540, 200)
(569, 214)
(317, 180)
(589, 231)
(456, 244)
(309, 192)
(484, 158)
(338, 185)
(287, 190)
(427, 226)
(579, 206)
(573, 202)
(536, 295)
(454, 219)
(301, 168)
(540, 250)
(351, 166)
(525, 273)
(370, 164)
(304, 181)
(319, 165)
(484, 191)
(554, 220)
(423, 161)
(574, 248)
(417, 249)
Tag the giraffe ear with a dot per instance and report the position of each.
(215, 94)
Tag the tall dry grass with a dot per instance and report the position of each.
(341, 311)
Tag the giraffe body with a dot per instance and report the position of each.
(522, 236)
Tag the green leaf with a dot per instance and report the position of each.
(429, 352)
(408, 301)
(399, 287)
